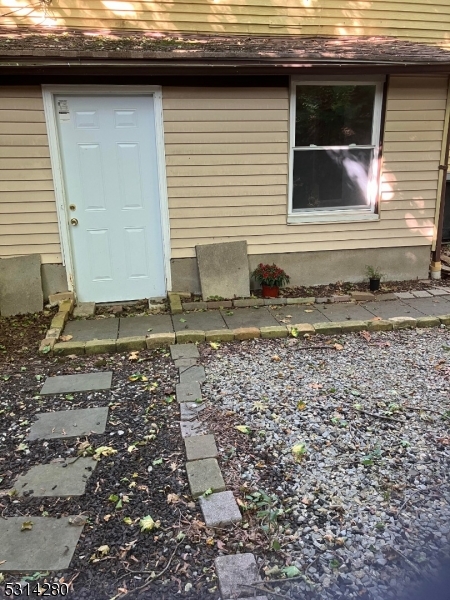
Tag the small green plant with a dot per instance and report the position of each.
(369, 459)
(215, 298)
(373, 272)
(267, 512)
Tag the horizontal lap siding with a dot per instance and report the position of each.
(421, 20)
(224, 185)
(28, 220)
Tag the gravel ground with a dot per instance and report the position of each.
(351, 437)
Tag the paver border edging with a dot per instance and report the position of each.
(50, 345)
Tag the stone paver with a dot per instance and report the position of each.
(219, 335)
(192, 428)
(182, 363)
(342, 312)
(302, 329)
(386, 310)
(421, 294)
(86, 382)
(305, 300)
(93, 329)
(404, 295)
(247, 333)
(204, 475)
(236, 569)
(188, 392)
(445, 319)
(428, 322)
(277, 331)
(131, 326)
(220, 509)
(69, 423)
(224, 270)
(129, 344)
(298, 314)
(194, 305)
(66, 478)
(184, 351)
(20, 285)
(84, 309)
(327, 328)
(189, 336)
(106, 346)
(201, 446)
(403, 322)
(67, 348)
(438, 292)
(48, 546)
(175, 303)
(388, 296)
(198, 320)
(189, 411)
(249, 302)
(155, 340)
(191, 374)
(362, 296)
(248, 317)
(380, 325)
(429, 306)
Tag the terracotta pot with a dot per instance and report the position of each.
(269, 291)
(374, 284)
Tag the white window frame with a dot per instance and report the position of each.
(325, 215)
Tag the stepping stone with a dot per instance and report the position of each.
(421, 294)
(204, 475)
(84, 309)
(236, 569)
(89, 382)
(182, 363)
(202, 321)
(189, 410)
(192, 428)
(429, 306)
(69, 423)
(188, 392)
(339, 312)
(396, 308)
(298, 314)
(133, 326)
(201, 446)
(404, 295)
(192, 374)
(438, 292)
(220, 509)
(67, 478)
(94, 329)
(48, 546)
(249, 317)
(184, 351)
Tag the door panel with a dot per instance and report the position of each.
(108, 151)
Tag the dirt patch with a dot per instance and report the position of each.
(20, 335)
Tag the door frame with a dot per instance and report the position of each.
(48, 94)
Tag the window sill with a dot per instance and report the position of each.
(338, 216)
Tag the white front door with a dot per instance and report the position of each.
(108, 153)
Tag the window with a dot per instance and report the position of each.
(335, 132)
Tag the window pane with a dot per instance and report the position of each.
(331, 178)
(334, 115)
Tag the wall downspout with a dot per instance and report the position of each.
(435, 267)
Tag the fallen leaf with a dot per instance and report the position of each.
(309, 310)
(173, 498)
(214, 345)
(366, 335)
(276, 358)
(103, 451)
(27, 526)
(242, 428)
(301, 405)
(338, 347)
(316, 386)
(147, 523)
(134, 355)
(103, 550)
(127, 520)
(376, 319)
(106, 518)
(65, 338)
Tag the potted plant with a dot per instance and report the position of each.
(271, 279)
(374, 276)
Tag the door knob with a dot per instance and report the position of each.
(74, 221)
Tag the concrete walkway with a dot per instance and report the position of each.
(388, 311)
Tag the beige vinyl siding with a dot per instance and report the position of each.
(227, 175)
(28, 220)
(420, 20)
